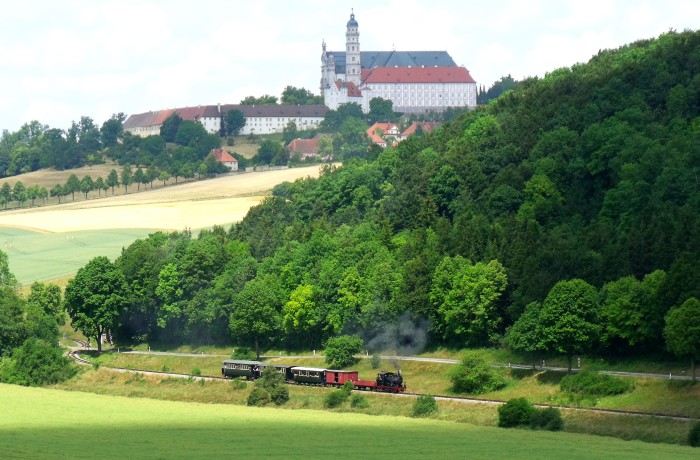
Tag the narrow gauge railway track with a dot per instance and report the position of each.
(74, 354)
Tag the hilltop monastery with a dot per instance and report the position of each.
(415, 81)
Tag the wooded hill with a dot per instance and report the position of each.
(589, 174)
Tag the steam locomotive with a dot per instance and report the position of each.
(386, 381)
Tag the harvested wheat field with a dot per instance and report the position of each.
(219, 201)
(45, 243)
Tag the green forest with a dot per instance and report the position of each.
(562, 217)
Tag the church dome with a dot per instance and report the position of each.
(352, 22)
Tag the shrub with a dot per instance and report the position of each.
(270, 378)
(244, 353)
(279, 395)
(37, 362)
(272, 383)
(548, 418)
(335, 398)
(259, 397)
(473, 375)
(347, 387)
(359, 402)
(165, 368)
(424, 406)
(195, 372)
(376, 361)
(591, 383)
(340, 351)
(238, 384)
(694, 435)
(515, 412)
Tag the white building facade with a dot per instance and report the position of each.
(415, 81)
(262, 119)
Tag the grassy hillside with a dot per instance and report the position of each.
(48, 242)
(36, 256)
(41, 423)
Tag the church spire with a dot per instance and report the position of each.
(353, 66)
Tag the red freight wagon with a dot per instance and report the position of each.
(340, 377)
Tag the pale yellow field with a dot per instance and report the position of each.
(200, 204)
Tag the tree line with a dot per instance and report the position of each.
(560, 218)
(588, 175)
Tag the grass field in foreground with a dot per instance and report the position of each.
(42, 423)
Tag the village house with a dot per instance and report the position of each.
(225, 158)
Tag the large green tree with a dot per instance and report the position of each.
(682, 331)
(569, 318)
(170, 126)
(466, 297)
(382, 110)
(49, 299)
(631, 312)
(95, 298)
(234, 121)
(112, 130)
(256, 312)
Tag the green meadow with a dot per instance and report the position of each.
(40, 256)
(45, 423)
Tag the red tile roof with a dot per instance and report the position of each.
(385, 127)
(376, 139)
(222, 156)
(303, 146)
(353, 90)
(416, 75)
(426, 125)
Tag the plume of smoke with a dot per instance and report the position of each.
(403, 338)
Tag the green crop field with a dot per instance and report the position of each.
(38, 256)
(43, 423)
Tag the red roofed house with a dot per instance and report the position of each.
(305, 147)
(415, 81)
(225, 158)
(383, 134)
(425, 126)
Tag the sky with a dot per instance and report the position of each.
(60, 60)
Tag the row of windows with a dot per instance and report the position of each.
(300, 373)
(243, 367)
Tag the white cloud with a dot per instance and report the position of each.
(95, 58)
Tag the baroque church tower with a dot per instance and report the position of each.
(353, 67)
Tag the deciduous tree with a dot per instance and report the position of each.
(682, 331)
(569, 318)
(112, 180)
(234, 121)
(72, 185)
(95, 298)
(256, 312)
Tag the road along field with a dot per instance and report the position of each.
(54, 241)
(43, 423)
